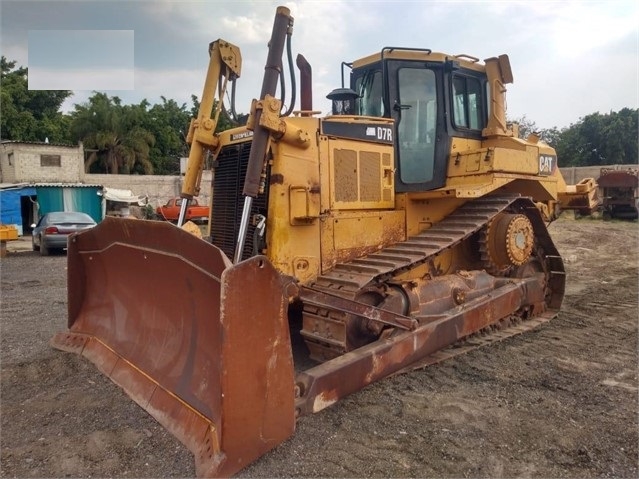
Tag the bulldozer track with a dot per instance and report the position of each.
(349, 278)
(481, 339)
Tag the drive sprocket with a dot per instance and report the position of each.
(506, 241)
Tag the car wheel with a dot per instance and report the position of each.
(33, 245)
(44, 251)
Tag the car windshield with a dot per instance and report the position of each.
(70, 217)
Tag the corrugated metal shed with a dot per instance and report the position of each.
(66, 185)
(16, 207)
(70, 197)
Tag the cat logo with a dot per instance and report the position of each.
(242, 135)
(547, 164)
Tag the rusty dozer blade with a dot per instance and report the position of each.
(200, 344)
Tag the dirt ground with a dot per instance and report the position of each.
(560, 401)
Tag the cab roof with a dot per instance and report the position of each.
(401, 53)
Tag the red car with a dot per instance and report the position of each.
(171, 210)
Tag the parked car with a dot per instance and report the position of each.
(53, 229)
(171, 210)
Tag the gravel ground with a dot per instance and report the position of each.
(560, 401)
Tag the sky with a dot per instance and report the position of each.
(569, 58)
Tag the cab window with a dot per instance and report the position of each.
(371, 98)
(467, 103)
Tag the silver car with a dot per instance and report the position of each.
(52, 231)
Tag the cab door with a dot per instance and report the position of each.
(416, 104)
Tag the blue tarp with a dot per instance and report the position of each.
(10, 209)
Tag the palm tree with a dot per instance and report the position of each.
(113, 135)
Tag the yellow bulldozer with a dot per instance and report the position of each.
(341, 249)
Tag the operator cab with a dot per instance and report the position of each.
(432, 97)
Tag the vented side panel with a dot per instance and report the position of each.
(370, 173)
(362, 179)
(227, 201)
(345, 175)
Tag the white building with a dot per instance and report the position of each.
(35, 162)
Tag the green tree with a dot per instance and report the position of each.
(619, 137)
(551, 136)
(169, 123)
(30, 115)
(598, 139)
(527, 126)
(594, 140)
(569, 148)
(113, 135)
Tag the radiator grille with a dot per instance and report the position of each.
(227, 201)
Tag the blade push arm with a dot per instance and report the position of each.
(225, 63)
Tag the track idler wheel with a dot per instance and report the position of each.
(507, 241)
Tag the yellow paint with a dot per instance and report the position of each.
(333, 199)
(8, 233)
(348, 235)
(293, 218)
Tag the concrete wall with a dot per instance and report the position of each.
(22, 162)
(7, 166)
(157, 188)
(574, 174)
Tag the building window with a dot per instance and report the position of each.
(50, 160)
(10, 159)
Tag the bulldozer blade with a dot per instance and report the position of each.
(202, 345)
